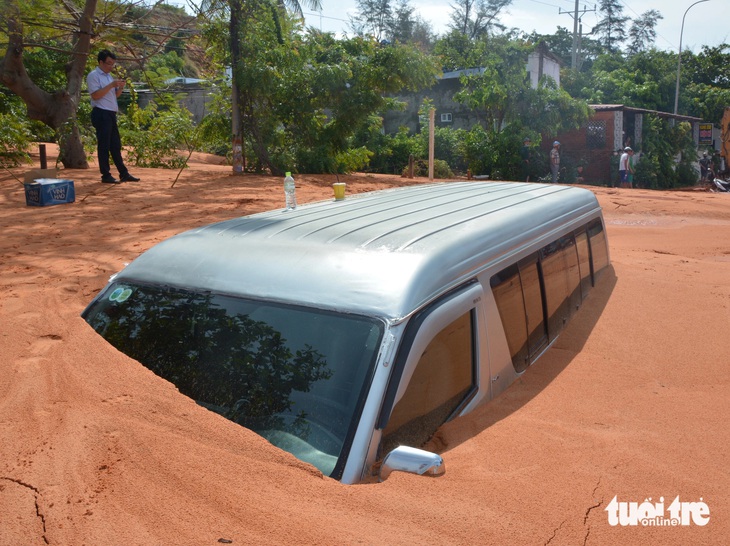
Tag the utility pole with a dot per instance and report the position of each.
(576, 15)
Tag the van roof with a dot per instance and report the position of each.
(381, 254)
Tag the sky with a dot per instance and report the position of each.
(706, 23)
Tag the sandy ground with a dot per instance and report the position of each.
(632, 402)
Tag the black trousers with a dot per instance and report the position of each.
(108, 141)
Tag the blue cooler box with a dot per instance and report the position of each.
(43, 192)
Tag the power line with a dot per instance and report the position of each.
(325, 17)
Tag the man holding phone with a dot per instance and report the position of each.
(104, 90)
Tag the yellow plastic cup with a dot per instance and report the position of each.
(339, 188)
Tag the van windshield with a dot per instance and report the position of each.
(297, 376)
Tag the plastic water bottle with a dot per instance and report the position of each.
(289, 192)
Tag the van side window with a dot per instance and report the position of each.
(599, 247)
(562, 282)
(584, 261)
(518, 293)
(443, 378)
(550, 284)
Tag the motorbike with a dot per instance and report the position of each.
(717, 184)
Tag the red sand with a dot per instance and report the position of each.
(633, 401)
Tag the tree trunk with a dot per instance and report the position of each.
(57, 110)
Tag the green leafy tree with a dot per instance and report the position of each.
(374, 18)
(611, 30)
(457, 51)
(477, 18)
(408, 28)
(642, 33)
(705, 89)
(662, 143)
(66, 35)
(560, 44)
(57, 106)
(509, 108)
(347, 82)
(15, 139)
(644, 80)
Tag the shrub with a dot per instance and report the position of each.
(156, 137)
(15, 140)
(441, 169)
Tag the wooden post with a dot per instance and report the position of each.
(431, 126)
(44, 160)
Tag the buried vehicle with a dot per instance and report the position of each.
(346, 332)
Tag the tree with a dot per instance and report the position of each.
(56, 109)
(643, 31)
(644, 80)
(561, 44)
(612, 28)
(346, 84)
(476, 18)
(374, 18)
(706, 82)
(510, 108)
(72, 32)
(408, 28)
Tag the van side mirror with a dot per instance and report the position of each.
(412, 460)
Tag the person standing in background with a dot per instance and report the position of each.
(104, 90)
(555, 161)
(624, 168)
(705, 164)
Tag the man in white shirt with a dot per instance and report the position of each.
(625, 168)
(104, 90)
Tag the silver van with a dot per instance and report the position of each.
(346, 332)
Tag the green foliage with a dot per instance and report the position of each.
(389, 153)
(154, 137)
(214, 131)
(305, 100)
(658, 167)
(561, 44)
(611, 29)
(642, 32)
(15, 140)
(644, 80)
(706, 82)
(441, 169)
(353, 159)
(496, 155)
(477, 19)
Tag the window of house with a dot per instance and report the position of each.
(596, 134)
(446, 117)
(441, 382)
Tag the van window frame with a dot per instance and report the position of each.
(412, 332)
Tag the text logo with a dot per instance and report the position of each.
(648, 514)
